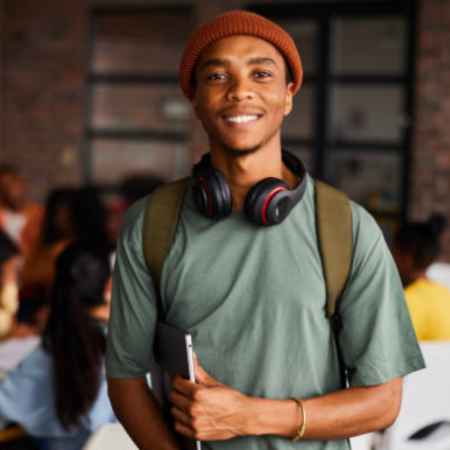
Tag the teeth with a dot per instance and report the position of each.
(241, 119)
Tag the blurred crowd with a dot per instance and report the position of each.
(55, 289)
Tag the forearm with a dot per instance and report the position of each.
(139, 413)
(337, 415)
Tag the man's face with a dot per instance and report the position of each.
(12, 190)
(241, 94)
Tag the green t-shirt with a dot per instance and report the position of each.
(254, 300)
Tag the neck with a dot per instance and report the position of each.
(242, 171)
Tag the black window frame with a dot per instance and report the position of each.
(323, 13)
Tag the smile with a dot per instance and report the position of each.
(242, 118)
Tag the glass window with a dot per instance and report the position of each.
(159, 107)
(300, 122)
(113, 160)
(140, 43)
(367, 113)
(370, 178)
(305, 36)
(369, 46)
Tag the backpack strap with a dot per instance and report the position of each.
(334, 230)
(334, 233)
(160, 222)
(335, 242)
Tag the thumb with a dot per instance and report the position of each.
(202, 377)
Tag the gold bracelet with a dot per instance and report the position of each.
(302, 427)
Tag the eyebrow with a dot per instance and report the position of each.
(262, 60)
(214, 62)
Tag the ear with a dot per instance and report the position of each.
(289, 98)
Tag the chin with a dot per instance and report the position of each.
(241, 149)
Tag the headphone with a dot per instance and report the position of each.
(267, 203)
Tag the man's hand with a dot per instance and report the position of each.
(207, 410)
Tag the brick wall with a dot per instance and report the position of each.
(44, 54)
(430, 178)
(43, 60)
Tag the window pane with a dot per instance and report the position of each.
(299, 123)
(367, 113)
(370, 178)
(114, 159)
(305, 37)
(140, 43)
(373, 46)
(130, 107)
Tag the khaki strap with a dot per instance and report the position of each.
(160, 223)
(334, 228)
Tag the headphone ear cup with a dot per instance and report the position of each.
(221, 195)
(260, 204)
(212, 194)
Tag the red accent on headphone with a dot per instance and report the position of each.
(204, 184)
(267, 201)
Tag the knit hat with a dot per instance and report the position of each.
(237, 23)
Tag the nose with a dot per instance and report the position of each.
(240, 90)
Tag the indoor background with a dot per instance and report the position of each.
(89, 94)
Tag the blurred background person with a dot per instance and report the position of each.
(439, 271)
(416, 247)
(134, 187)
(89, 217)
(9, 271)
(20, 218)
(57, 232)
(25, 332)
(71, 215)
(58, 393)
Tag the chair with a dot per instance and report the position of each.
(110, 437)
(362, 442)
(426, 401)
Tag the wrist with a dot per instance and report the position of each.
(274, 417)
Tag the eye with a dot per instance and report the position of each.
(262, 74)
(216, 76)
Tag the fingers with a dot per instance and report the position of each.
(184, 430)
(180, 401)
(205, 378)
(183, 423)
(202, 376)
(181, 416)
(185, 387)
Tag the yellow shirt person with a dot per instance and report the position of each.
(429, 306)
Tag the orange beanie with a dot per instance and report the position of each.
(234, 23)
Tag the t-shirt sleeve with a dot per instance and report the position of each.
(377, 340)
(131, 327)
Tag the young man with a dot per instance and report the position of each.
(253, 296)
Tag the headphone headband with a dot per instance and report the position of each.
(268, 202)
